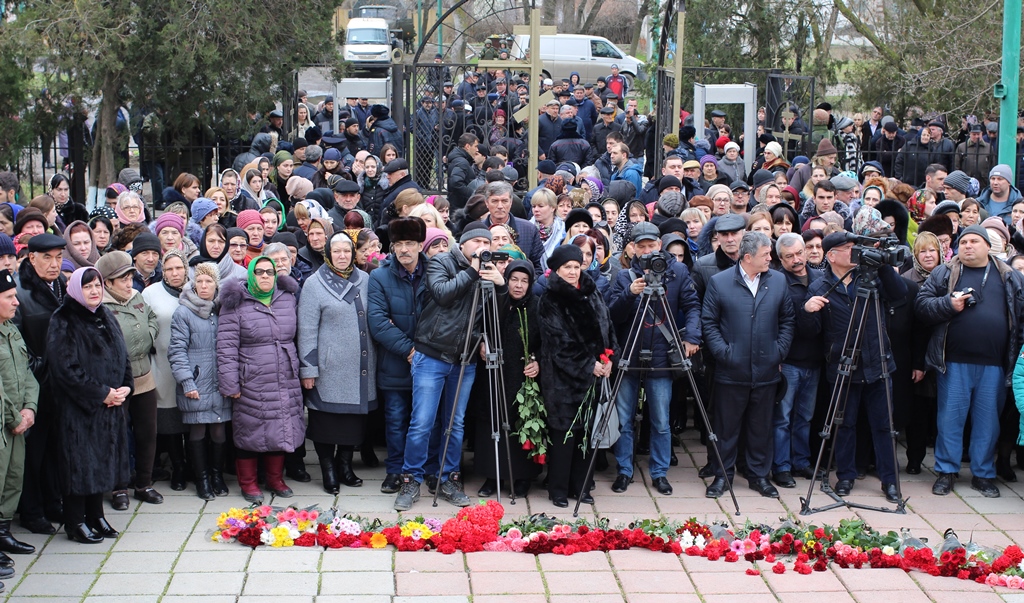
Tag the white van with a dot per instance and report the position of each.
(591, 56)
(368, 43)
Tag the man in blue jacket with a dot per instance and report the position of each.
(682, 300)
(831, 317)
(625, 169)
(391, 317)
(748, 323)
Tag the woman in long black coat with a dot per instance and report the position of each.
(520, 313)
(577, 329)
(91, 375)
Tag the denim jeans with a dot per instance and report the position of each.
(397, 410)
(658, 397)
(793, 418)
(978, 391)
(872, 397)
(430, 379)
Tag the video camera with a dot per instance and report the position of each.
(486, 256)
(872, 252)
(654, 262)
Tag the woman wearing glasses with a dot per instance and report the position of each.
(258, 368)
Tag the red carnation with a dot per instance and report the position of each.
(753, 572)
(779, 568)
(307, 539)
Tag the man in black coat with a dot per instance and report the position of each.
(41, 289)
(549, 126)
(831, 316)
(748, 324)
(730, 229)
(498, 198)
(462, 170)
(397, 173)
(682, 300)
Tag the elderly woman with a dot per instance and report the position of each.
(81, 249)
(257, 366)
(162, 297)
(577, 330)
(317, 233)
(140, 328)
(130, 208)
(337, 361)
(192, 354)
(170, 229)
(91, 373)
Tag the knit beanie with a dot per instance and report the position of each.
(563, 254)
(958, 181)
(247, 218)
(576, 216)
(979, 230)
(146, 241)
(6, 245)
(203, 207)
(671, 203)
(170, 220)
(209, 269)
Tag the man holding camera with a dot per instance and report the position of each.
(748, 323)
(441, 331)
(829, 310)
(654, 349)
(971, 301)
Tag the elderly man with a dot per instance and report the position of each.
(975, 157)
(748, 323)
(730, 229)
(498, 199)
(969, 302)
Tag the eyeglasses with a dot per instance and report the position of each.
(263, 271)
(238, 245)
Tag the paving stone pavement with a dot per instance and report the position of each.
(164, 553)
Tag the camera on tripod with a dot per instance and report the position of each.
(656, 263)
(888, 252)
(486, 256)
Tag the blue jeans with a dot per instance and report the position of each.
(872, 397)
(793, 418)
(430, 379)
(979, 391)
(658, 397)
(397, 409)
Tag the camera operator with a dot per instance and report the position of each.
(973, 354)
(831, 316)
(748, 324)
(654, 338)
(441, 331)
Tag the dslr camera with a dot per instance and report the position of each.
(971, 301)
(655, 262)
(887, 253)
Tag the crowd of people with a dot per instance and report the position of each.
(318, 292)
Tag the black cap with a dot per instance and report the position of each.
(288, 238)
(668, 180)
(46, 242)
(345, 186)
(6, 281)
(730, 223)
(546, 166)
(835, 239)
(718, 113)
(396, 165)
(739, 185)
(147, 241)
(275, 113)
(976, 128)
(607, 110)
(890, 127)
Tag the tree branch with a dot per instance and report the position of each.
(863, 29)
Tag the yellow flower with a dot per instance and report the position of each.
(378, 541)
(281, 537)
(411, 526)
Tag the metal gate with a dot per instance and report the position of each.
(663, 118)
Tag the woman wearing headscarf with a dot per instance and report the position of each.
(577, 329)
(317, 235)
(283, 166)
(192, 354)
(252, 186)
(90, 371)
(521, 344)
(373, 187)
(162, 297)
(337, 361)
(81, 250)
(257, 366)
(213, 248)
(130, 209)
(140, 328)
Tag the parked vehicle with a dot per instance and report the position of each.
(591, 56)
(368, 43)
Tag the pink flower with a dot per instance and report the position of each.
(264, 510)
(995, 580)
(1014, 582)
(749, 546)
(303, 515)
(518, 545)
(514, 533)
(736, 546)
(287, 515)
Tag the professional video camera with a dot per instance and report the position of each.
(871, 252)
(487, 256)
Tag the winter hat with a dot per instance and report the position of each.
(979, 230)
(332, 154)
(672, 225)
(576, 216)
(938, 224)
(762, 177)
(314, 153)
(670, 140)
(774, 148)
(6, 280)
(563, 254)
(595, 185)
(66, 266)
(716, 189)
(297, 187)
(996, 223)
(168, 219)
(433, 234)
(1003, 171)
(801, 159)
(708, 159)
(128, 177)
(722, 141)
(474, 230)
(115, 264)
(843, 183)
(407, 229)
(203, 207)
(946, 207)
(668, 181)
(730, 146)
(29, 214)
(247, 218)
(826, 148)
(380, 111)
(146, 241)
(958, 181)
(671, 203)
(6, 246)
(209, 269)
(868, 220)
(286, 237)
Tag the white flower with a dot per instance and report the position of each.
(1020, 566)
(699, 541)
(687, 540)
(888, 550)
(267, 537)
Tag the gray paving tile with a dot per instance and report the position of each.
(148, 541)
(65, 563)
(275, 599)
(130, 584)
(282, 584)
(356, 560)
(224, 560)
(430, 599)
(44, 585)
(168, 522)
(137, 562)
(123, 599)
(206, 584)
(353, 599)
(267, 559)
(357, 583)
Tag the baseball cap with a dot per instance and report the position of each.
(645, 231)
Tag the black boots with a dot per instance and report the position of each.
(9, 544)
(330, 474)
(176, 452)
(197, 450)
(343, 459)
(216, 467)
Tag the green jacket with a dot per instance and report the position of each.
(140, 328)
(18, 386)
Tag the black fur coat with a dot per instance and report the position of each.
(576, 328)
(86, 356)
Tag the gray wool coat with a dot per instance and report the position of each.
(335, 346)
(192, 353)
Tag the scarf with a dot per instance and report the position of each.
(344, 273)
(919, 269)
(75, 287)
(254, 289)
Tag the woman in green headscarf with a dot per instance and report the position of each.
(283, 166)
(258, 367)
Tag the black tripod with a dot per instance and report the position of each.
(485, 297)
(867, 298)
(651, 299)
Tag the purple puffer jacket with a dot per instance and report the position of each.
(256, 357)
